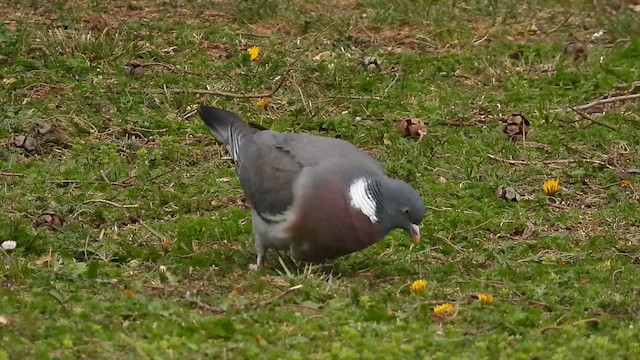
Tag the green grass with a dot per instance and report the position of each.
(132, 167)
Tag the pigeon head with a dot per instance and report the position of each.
(390, 203)
(403, 208)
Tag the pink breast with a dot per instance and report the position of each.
(330, 226)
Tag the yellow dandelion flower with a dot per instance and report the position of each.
(443, 309)
(551, 187)
(254, 52)
(606, 264)
(418, 285)
(625, 184)
(262, 102)
(485, 298)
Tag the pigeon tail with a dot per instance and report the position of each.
(227, 127)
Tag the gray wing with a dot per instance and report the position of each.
(270, 162)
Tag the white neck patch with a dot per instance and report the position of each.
(362, 200)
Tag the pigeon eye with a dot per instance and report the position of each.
(406, 210)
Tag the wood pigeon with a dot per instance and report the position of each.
(317, 197)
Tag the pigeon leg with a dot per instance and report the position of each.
(261, 254)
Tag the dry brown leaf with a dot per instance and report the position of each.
(45, 259)
(412, 127)
(466, 79)
(516, 126)
(516, 55)
(134, 69)
(27, 143)
(371, 63)
(47, 130)
(106, 107)
(48, 219)
(507, 193)
(577, 51)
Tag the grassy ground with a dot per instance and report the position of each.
(145, 248)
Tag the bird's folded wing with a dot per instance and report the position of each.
(270, 162)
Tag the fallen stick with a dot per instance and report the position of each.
(548, 162)
(3, 173)
(608, 101)
(604, 101)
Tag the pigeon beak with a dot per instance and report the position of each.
(415, 233)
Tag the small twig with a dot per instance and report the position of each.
(589, 118)
(277, 297)
(402, 287)
(80, 121)
(304, 102)
(613, 276)
(104, 177)
(583, 321)
(2, 173)
(384, 93)
(66, 181)
(477, 42)
(458, 248)
(354, 97)
(253, 34)
(558, 206)
(472, 228)
(530, 302)
(155, 177)
(154, 231)
(437, 209)
(560, 25)
(201, 304)
(436, 302)
(111, 203)
(548, 162)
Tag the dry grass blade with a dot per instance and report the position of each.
(198, 303)
(114, 204)
(573, 324)
(549, 162)
(589, 118)
(277, 297)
